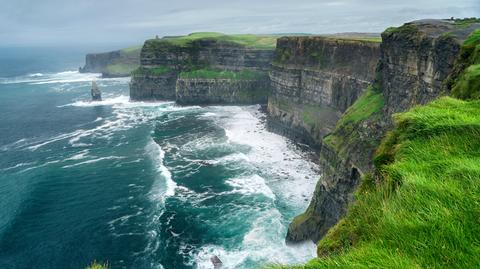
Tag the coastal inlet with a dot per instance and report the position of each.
(142, 185)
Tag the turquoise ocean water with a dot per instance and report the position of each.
(138, 185)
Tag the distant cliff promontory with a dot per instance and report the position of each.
(205, 68)
(119, 63)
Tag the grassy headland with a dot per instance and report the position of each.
(247, 40)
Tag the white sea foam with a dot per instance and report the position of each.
(39, 166)
(81, 155)
(18, 165)
(264, 243)
(284, 173)
(168, 186)
(94, 161)
(51, 78)
(122, 99)
(60, 77)
(209, 114)
(291, 175)
(249, 185)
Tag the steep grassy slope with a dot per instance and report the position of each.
(420, 207)
(467, 81)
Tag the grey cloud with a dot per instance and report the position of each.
(129, 21)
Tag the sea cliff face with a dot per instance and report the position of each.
(214, 71)
(314, 79)
(415, 61)
(119, 63)
(222, 91)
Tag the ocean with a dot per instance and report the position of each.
(138, 184)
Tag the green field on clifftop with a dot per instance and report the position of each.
(247, 40)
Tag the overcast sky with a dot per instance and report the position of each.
(58, 22)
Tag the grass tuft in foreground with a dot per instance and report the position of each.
(96, 265)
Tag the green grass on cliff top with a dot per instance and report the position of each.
(133, 49)
(158, 70)
(374, 39)
(221, 74)
(421, 209)
(120, 68)
(247, 40)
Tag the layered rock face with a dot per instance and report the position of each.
(314, 79)
(415, 61)
(150, 86)
(117, 63)
(222, 91)
(163, 61)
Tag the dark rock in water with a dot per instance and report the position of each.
(217, 263)
(96, 94)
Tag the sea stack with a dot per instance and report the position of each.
(96, 94)
(217, 263)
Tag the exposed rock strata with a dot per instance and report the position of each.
(415, 60)
(314, 79)
(150, 87)
(222, 91)
(198, 54)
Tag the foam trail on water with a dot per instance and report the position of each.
(250, 185)
(52, 78)
(93, 161)
(169, 186)
(285, 176)
(122, 99)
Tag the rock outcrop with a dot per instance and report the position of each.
(314, 80)
(119, 63)
(163, 61)
(415, 61)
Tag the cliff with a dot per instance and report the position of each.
(222, 91)
(415, 61)
(202, 67)
(314, 80)
(119, 63)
